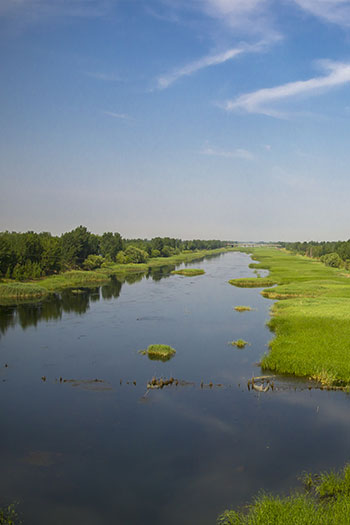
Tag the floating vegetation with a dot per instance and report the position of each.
(8, 515)
(261, 383)
(247, 282)
(243, 308)
(240, 343)
(189, 272)
(88, 384)
(159, 352)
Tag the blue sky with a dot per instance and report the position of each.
(191, 118)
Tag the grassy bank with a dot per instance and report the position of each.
(325, 501)
(312, 322)
(17, 291)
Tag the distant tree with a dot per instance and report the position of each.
(135, 255)
(110, 245)
(332, 259)
(76, 246)
(93, 261)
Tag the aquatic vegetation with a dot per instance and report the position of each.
(312, 322)
(243, 308)
(8, 515)
(240, 343)
(325, 501)
(16, 290)
(255, 282)
(159, 352)
(189, 272)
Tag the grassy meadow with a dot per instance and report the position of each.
(311, 320)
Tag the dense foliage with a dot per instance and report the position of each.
(31, 255)
(332, 253)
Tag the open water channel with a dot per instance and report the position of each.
(77, 451)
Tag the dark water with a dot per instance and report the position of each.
(82, 452)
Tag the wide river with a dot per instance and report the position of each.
(76, 451)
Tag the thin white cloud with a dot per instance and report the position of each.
(121, 116)
(260, 101)
(234, 154)
(164, 81)
(334, 11)
(108, 77)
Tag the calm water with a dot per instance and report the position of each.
(104, 452)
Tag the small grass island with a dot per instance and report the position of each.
(159, 352)
(243, 308)
(188, 272)
(240, 343)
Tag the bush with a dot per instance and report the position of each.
(93, 261)
(332, 259)
(135, 255)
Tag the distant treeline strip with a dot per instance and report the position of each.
(31, 255)
(332, 253)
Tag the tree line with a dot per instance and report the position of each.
(31, 255)
(332, 253)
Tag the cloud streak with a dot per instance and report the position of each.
(121, 116)
(164, 81)
(334, 11)
(235, 154)
(260, 101)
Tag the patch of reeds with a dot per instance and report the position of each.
(243, 308)
(189, 272)
(240, 343)
(255, 282)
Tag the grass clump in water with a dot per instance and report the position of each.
(243, 308)
(189, 272)
(240, 343)
(325, 501)
(159, 352)
(256, 282)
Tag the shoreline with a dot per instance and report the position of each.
(17, 291)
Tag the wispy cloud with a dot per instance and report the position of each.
(335, 11)
(234, 154)
(121, 116)
(260, 101)
(108, 77)
(164, 81)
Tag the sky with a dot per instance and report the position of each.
(225, 119)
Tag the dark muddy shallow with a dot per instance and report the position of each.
(76, 450)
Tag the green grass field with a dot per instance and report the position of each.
(325, 501)
(312, 322)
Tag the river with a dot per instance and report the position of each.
(74, 450)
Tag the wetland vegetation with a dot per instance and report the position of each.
(189, 272)
(312, 322)
(243, 308)
(240, 343)
(159, 352)
(324, 501)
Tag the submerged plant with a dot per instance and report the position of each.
(159, 352)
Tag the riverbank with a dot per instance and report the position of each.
(311, 319)
(11, 290)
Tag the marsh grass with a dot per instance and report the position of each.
(159, 352)
(189, 272)
(255, 282)
(16, 290)
(243, 308)
(240, 343)
(312, 322)
(325, 501)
